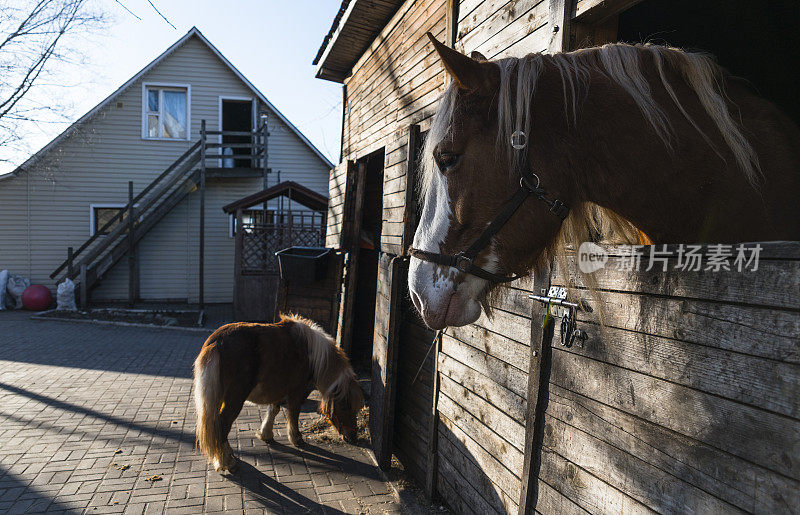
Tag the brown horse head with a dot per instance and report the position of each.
(467, 177)
(626, 136)
(342, 407)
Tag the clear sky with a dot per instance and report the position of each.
(272, 42)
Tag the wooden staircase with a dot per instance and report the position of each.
(90, 263)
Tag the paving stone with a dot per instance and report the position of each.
(94, 390)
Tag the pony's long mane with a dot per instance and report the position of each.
(621, 63)
(329, 364)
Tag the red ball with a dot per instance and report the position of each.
(37, 297)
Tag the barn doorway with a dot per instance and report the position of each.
(236, 115)
(368, 254)
(764, 50)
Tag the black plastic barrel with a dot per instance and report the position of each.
(303, 264)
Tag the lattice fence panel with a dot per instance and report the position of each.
(260, 242)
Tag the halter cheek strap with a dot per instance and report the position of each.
(463, 261)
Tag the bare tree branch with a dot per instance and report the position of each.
(35, 39)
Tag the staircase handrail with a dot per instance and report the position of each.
(120, 228)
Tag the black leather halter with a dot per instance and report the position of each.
(528, 184)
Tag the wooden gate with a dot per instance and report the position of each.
(258, 285)
(258, 292)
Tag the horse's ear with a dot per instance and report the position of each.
(477, 56)
(467, 73)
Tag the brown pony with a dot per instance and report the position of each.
(270, 364)
(629, 137)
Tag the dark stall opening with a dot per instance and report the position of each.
(368, 255)
(758, 41)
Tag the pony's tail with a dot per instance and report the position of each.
(208, 401)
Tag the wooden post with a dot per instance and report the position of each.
(538, 395)
(70, 266)
(451, 20)
(410, 209)
(84, 288)
(559, 25)
(433, 426)
(351, 245)
(201, 256)
(131, 250)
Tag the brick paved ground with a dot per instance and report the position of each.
(89, 413)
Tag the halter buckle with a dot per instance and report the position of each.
(463, 263)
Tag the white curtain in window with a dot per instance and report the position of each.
(174, 114)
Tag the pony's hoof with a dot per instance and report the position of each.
(298, 442)
(266, 439)
(229, 464)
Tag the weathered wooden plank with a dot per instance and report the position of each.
(660, 491)
(506, 27)
(451, 485)
(501, 347)
(384, 358)
(737, 481)
(765, 332)
(504, 399)
(498, 371)
(595, 11)
(774, 284)
(509, 429)
(494, 470)
(433, 422)
(758, 382)
(539, 365)
(493, 497)
(509, 455)
(584, 489)
(761, 437)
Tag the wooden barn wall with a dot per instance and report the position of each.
(503, 28)
(395, 84)
(335, 217)
(483, 371)
(688, 400)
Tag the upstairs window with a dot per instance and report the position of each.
(165, 112)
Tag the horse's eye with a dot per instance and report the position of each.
(446, 161)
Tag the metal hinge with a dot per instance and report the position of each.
(559, 306)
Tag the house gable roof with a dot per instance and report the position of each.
(289, 189)
(193, 32)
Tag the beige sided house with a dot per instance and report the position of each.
(73, 192)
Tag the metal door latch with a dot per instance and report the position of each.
(559, 307)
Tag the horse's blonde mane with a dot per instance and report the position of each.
(622, 63)
(329, 364)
